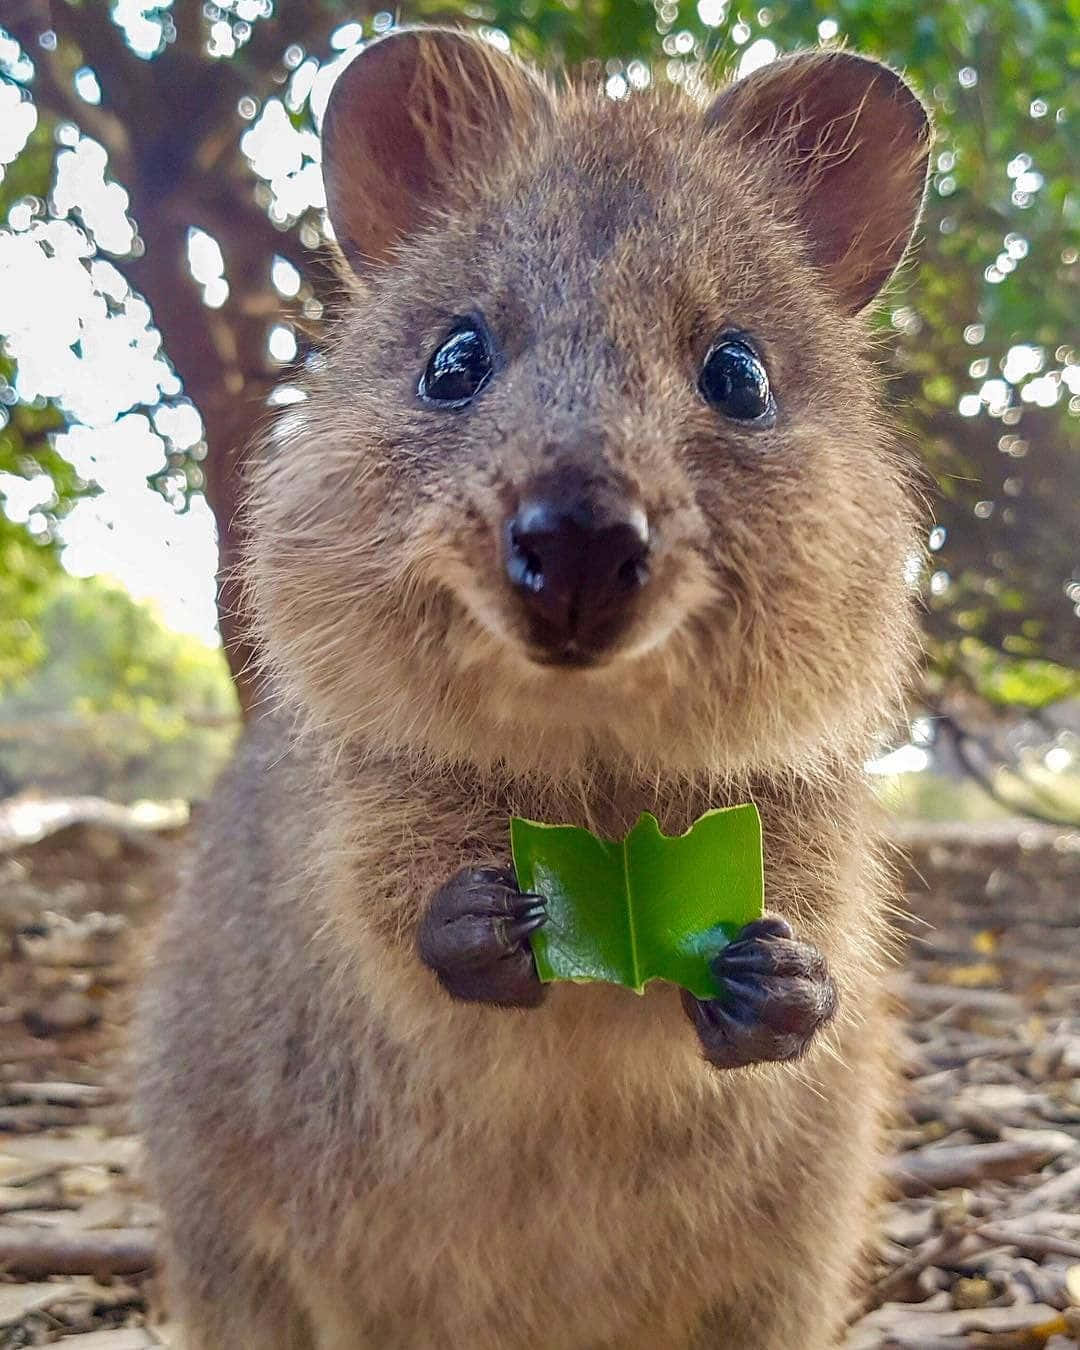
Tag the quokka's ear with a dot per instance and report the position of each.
(850, 142)
(409, 124)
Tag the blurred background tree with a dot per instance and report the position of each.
(123, 708)
(166, 156)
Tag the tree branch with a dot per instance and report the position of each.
(964, 740)
(104, 49)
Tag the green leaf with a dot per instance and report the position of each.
(646, 907)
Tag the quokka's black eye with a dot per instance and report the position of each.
(459, 368)
(734, 380)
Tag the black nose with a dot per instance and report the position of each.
(577, 565)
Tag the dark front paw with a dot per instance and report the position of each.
(475, 937)
(776, 993)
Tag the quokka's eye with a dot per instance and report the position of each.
(733, 379)
(459, 368)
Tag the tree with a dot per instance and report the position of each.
(28, 556)
(207, 113)
(119, 706)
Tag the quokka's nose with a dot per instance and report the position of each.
(577, 565)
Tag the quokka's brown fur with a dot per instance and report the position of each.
(347, 1156)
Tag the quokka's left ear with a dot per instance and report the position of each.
(850, 141)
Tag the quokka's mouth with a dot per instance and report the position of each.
(569, 657)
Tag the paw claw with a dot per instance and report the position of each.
(776, 994)
(474, 937)
(515, 933)
(769, 925)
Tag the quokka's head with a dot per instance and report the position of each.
(594, 466)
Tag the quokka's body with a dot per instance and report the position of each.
(587, 514)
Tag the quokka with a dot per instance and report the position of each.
(592, 510)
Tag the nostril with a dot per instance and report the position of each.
(524, 565)
(634, 573)
(532, 572)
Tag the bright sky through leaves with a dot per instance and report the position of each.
(80, 337)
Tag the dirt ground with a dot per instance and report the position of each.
(980, 1236)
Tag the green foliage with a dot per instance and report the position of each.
(117, 705)
(29, 552)
(25, 571)
(1015, 683)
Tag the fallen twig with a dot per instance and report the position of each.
(1060, 1190)
(1034, 1244)
(940, 1169)
(38, 1252)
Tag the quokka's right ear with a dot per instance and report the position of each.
(411, 122)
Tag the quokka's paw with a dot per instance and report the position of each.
(475, 937)
(776, 994)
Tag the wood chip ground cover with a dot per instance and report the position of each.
(979, 1235)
